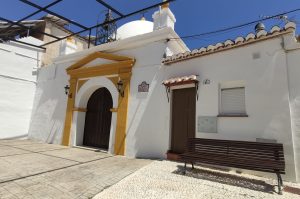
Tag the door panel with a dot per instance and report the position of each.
(183, 118)
(98, 119)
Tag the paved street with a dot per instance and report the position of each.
(29, 169)
(165, 180)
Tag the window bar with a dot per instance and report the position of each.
(55, 14)
(90, 32)
(114, 20)
(110, 7)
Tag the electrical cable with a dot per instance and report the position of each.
(234, 27)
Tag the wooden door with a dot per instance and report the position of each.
(183, 118)
(98, 119)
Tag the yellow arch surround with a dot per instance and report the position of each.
(122, 68)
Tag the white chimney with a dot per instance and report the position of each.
(68, 46)
(163, 18)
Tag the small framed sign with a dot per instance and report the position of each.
(143, 87)
(207, 124)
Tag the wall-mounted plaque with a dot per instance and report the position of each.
(207, 124)
(143, 87)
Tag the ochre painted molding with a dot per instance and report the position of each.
(96, 55)
(104, 69)
(80, 83)
(122, 68)
(69, 112)
(114, 80)
(113, 57)
(80, 109)
(121, 129)
(114, 110)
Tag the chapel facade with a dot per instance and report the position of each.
(143, 95)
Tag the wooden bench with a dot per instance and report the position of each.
(257, 156)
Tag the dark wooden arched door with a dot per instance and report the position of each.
(98, 119)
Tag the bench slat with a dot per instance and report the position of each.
(246, 156)
(238, 166)
(242, 154)
(208, 155)
(267, 157)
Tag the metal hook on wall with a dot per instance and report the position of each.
(168, 92)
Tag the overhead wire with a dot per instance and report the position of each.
(196, 36)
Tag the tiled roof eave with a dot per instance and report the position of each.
(175, 81)
(228, 47)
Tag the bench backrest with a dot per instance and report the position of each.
(264, 156)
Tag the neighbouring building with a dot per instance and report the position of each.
(144, 94)
(58, 27)
(19, 68)
(18, 71)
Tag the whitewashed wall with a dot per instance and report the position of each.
(267, 94)
(294, 97)
(267, 100)
(18, 70)
(50, 100)
(148, 134)
(267, 97)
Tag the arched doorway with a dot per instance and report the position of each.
(98, 119)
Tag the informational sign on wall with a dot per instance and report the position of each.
(207, 124)
(143, 87)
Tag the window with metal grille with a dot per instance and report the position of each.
(232, 101)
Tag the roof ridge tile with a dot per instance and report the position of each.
(250, 38)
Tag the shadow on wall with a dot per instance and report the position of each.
(295, 109)
(146, 137)
(49, 112)
(279, 128)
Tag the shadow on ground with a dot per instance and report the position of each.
(229, 179)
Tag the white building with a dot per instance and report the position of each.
(19, 68)
(247, 89)
(18, 71)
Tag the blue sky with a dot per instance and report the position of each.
(193, 16)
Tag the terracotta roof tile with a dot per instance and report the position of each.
(228, 42)
(250, 38)
(180, 80)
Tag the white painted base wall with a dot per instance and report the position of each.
(16, 100)
(18, 70)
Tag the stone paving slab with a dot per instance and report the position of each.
(31, 170)
(38, 147)
(18, 142)
(80, 181)
(12, 167)
(76, 154)
(8, 151)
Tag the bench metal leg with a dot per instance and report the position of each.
(184, 171)
(281, 180)
(192, 165)
(279, 183)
